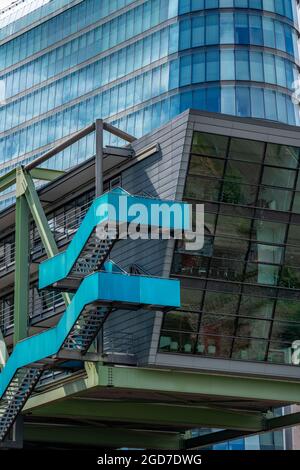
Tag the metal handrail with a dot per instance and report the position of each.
(38, 306)
(36, 242)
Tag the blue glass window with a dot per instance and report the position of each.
(213, 98)
(257, 103)
(228, 100)
(288, 39)
(256, 66)
(256, 33)
(241, 28)
(199, 98)
(281, 107)
(271, 109)
(198, 74)
(227, 65)
(198, 31)
(269, 36)
(212, 66)
(279, 35)
(242, 65)
(185, 70)
(269, 68)
(185, 34)
(255, 4)
(280, 71)
(243, 107)
(212, 29)
(227, 29)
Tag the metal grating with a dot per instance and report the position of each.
(93, 255)
(86, 328)
(16, 396)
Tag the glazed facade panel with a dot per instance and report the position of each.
(247, 304)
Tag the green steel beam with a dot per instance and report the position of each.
(100, 436)
(192, 382)
(7, 180)
(286, 421)
(173, 382)
(21, 296)
(67, 389)
(26, 187)
(45, 174)
(270, 425)
(69, 400)
(162, 414)
(37, 212)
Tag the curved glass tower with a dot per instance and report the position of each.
(138, 64)
(240, 56)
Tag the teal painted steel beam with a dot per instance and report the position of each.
(105, 287)
(109, 208)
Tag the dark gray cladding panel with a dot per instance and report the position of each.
(245, 128)
(159, 176)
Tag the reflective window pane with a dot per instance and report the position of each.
(249, 150)
(210, 144)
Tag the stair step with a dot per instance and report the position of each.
(15, 397)
(92, 256)
(86, 328)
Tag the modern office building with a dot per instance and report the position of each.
(229, 356)
(137, 64)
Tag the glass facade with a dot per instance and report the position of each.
(138, 64)
(268, 441)
(241, 291)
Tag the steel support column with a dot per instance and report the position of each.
(99, 158)
(21, 297)
(40, 218)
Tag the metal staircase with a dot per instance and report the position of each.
(86, 328)
(16, 396)
(92, 257)
(101, 287)
(79, 339)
